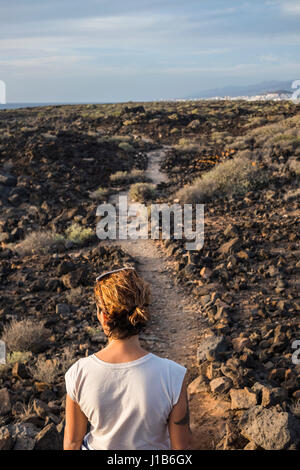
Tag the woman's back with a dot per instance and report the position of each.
(128, 403)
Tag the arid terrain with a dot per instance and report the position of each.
(229, 312)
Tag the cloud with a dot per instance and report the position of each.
(290, 8)
(41, 61)
(128, 42)
(270, 58)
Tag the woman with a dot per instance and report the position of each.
(132, 398)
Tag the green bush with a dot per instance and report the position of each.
(126, 147)
(142, 192)
(78, 234)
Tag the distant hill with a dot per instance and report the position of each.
(248, 90)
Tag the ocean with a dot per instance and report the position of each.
(33, 105)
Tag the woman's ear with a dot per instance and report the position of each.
(101, 316)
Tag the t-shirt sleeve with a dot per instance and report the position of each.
(177, 375)
(71, 382)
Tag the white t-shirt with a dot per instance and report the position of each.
(127, 404)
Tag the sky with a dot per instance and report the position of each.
(122, 50)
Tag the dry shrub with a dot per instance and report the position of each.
(40, 241)
(99, 194)
(66, 360)
(44, 371)
(24, 335)
(295, 408)
(74, 295)
(236, 176)
(49, 370)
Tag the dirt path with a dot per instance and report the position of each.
(176, 326)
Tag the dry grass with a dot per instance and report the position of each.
(24, 335)
(187, 145)
(40, 241)
(18, 356)
(128, 177)
(99, 194)
(236, 176)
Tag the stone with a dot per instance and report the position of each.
(229, 246)
(272, 396)
(242, 254)
(24, 435)
(206, 273)
(61, 429)
(190, 270)
(62, 309)
(65, 267)
(211, 344)
(7, 179)
(213, 370)
(20, 371)
(277, 374)
(204, 299)
(220, 385)
(5, 404)
(270, 428)
(231, 230)
(200, 384)
(6, 439)
(242, 398)
(240, 343)
(73, 278)
(48, 439)
(41, 408)
(251, 446)
(41, 386)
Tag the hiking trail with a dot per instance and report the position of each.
(176, 325)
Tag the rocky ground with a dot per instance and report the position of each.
(231, 312)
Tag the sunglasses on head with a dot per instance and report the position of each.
(102, 276)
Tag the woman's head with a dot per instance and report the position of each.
(123, 298)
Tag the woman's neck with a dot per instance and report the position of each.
(132, 342)
(122, 350)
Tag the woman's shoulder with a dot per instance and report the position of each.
(169, 363)
(78, 365)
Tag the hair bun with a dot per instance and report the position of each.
(139, 315)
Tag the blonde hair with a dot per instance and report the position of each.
(124, 297)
